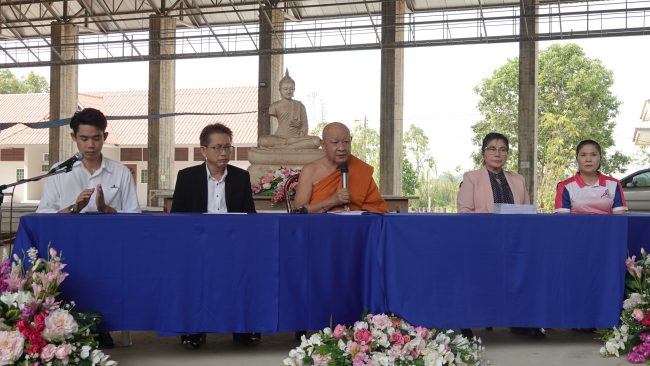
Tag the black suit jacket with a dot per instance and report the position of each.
(191, 192)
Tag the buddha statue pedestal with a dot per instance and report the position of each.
(264, 160)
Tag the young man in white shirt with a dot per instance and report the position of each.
(96, 183)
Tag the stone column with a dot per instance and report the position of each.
(162, 99)
(271, 66)
(392, 94)
(528, 79)
(63, 89)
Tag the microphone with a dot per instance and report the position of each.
(68, 163)
(344, 174)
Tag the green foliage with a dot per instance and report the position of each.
(437, 192)
(318, 129)
(575, 103)
(33, 83)
(409, 178)
(365, 145)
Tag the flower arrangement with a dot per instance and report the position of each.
(272, 184)
(633, 335)
(385, 340)
(35, 328)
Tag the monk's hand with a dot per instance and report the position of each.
(342, 196)
(83, 199)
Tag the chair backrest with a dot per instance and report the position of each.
(287, 191)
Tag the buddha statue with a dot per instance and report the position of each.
(291, 115)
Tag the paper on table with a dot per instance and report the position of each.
(347, 212)
(507, 208)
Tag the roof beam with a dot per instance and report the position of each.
(56, 53)
(88, 7)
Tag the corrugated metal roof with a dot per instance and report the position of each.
(239, 102)
(115, 16)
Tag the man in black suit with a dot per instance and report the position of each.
(214, 186)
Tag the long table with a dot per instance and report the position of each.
(183, 273)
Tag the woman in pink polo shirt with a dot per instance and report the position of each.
(589, 191)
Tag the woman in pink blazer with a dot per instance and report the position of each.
(482, 188)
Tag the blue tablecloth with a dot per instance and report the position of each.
(183, 273)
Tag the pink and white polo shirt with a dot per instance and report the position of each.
(575, 196)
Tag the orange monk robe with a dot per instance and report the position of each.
(364, 194)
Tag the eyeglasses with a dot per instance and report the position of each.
(493, 150)
(221, 148)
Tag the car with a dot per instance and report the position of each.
(636, 188)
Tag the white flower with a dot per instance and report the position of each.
(17, 299)
(32, 254)
(341, 345)
(315, 339)
(59, 325)
(360, 325)
(632, 301)
(297, 353)
(327, 331)
(266, 186)
(85, 351)
(379, 359)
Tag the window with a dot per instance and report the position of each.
(45, 168)
(46, 158)
(20, 174)
(641, 180)
(143, 176)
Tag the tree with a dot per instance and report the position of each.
(365, 145)
(32, 83)
(416, 146)
(575, 103)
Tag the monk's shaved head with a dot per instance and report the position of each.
(335, 128)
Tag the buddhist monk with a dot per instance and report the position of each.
(320, 186)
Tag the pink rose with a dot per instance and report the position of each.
(397, 338)
(63, 351)
(321, 360)
(59, 325)
(352, 348)
(363, 335)
(380, 322)
(339, 331)
(637, 314)
(47, 353)
(11, 347)
(423, 332)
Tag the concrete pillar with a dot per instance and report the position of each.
(528, 79)
(63, 89)
(271, 67)
(392, 95)
(162, 99)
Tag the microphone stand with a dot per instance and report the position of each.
(57, 170)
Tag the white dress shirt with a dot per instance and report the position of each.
(63, 189)
(217, 192)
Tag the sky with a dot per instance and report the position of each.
(438, 86)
